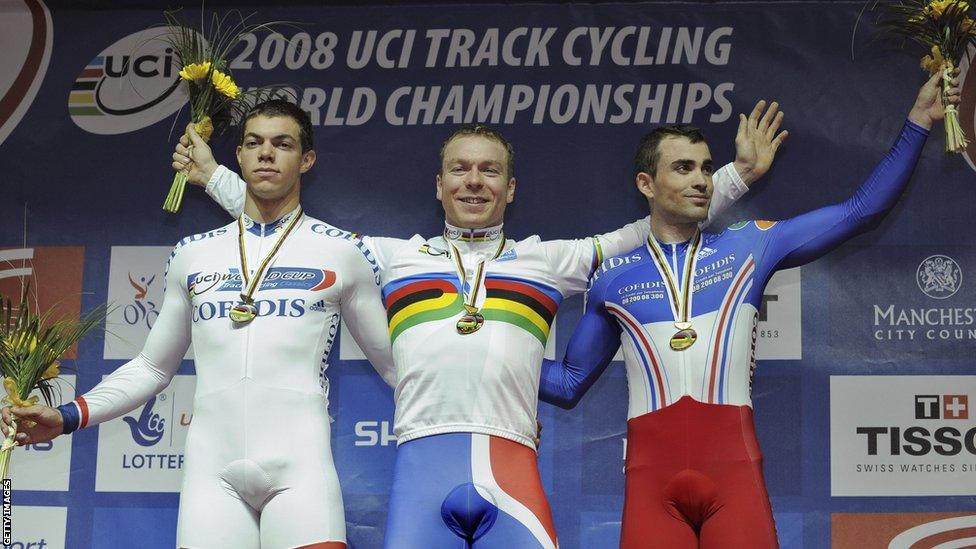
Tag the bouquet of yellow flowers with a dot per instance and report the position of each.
(945, 29)
(216, 101)
(30, 348)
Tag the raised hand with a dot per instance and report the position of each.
(196, 160)
(757, 141)
(928, 105)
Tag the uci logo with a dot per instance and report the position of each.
(132, 84)
(149, 428)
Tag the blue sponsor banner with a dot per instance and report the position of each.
(88, 139)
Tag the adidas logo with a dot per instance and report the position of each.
(318, 307)
(705, 252)
(507, 256)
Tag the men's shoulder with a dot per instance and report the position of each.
(199, 240)
(747, 226)
(615, 266)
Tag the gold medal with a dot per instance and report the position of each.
(470, 323)
(679, 296)
(683, 339)
(242, 313)
(245, 311)
(472, 320)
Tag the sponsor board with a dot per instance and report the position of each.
(365, 447)
(902, 530)
(38, 527)
(780, 328)
(143, 450)
(135, 285)
(45, 466)
(131, 84)
(902, 435)
(27, 38)
(898, 301)
(54, 276)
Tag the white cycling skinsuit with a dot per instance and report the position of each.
(259, 469)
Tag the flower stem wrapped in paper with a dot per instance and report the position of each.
(31, 345)
(945, 29)
(216, 101)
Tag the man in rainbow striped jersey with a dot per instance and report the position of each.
(469, 312)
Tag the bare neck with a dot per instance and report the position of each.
(669, 231)
(267, 210)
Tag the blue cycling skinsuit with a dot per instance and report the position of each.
(693, 465)
(466, 473)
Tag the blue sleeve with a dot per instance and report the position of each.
(591, 348)
(807, 237)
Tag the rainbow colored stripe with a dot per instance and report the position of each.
(81, 101)
(434, 296)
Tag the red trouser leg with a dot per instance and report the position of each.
(694, 479)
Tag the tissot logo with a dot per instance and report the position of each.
(919, 440)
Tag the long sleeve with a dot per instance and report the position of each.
(591, 348)
(363, 313)
(228, 190)
(806, 237)
(728, 187)
(136, 381)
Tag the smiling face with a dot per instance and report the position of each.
(681, 186)
(271, 157)
(474, 184)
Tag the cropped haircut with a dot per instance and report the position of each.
(280, 107)
(481, 130)
(649, 150)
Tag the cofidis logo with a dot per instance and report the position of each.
(130, 85)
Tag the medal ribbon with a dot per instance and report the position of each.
(252, 284)
(680, 302)
(470, 298)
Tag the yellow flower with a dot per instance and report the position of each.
(13, 395)
(195, 71)
(936, 8)
(16, 340)
(52, 371)
(935, 62)
(224, 84)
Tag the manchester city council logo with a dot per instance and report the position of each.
(939, 276)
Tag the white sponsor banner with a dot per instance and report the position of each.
(38, 527)
(45, 466)
(780, 333)
(902, 435)
(143, 450)
(135, 287)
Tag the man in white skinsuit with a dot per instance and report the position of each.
(260, 299)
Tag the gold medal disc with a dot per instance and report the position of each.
(470, 323)
(242, 313)
(683, 339)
